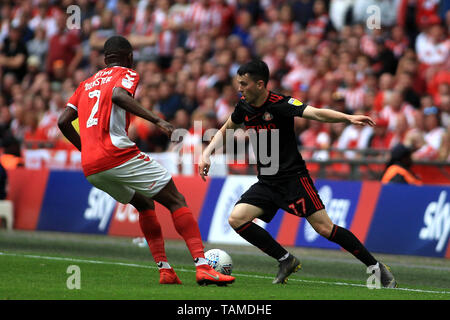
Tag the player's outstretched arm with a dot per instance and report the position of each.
(328, 115)
(122, 99)
(66, 127)
(217, 141)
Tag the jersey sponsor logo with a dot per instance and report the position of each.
(128, 81)
(295, 102)
(437, 222)
(337, 209)
(258, 127)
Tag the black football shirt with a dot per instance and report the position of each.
(277, 112)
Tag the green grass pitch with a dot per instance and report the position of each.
(34, 265)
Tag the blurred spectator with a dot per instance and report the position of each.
(103, 31)
(225, 104)
(300, 76)
(202, 18)
(65, 51)
(226, 17)
(381, 138)
(385, 86)
(317, 27)
(38, 46)
(398, 42)
(123, 22)
(383, 59)
(354, 137)
(398, 168)
(352, 91)
(433, 137)
(405, 84)
(396, 107)
(188, 52)
(431, 45)
(14, 54)
(242, 28)
(316, 136)
(283, 22)
(169, 102)
(302, 11)
(45, 19)
(164, 28)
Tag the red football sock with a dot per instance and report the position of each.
(152, 231)
(187, 227)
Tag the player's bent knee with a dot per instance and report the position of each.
(234, 222)
(324, 230)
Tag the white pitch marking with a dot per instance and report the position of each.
(134, 265)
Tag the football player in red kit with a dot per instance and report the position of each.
(113, 163)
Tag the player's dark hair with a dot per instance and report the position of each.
(117, 51)
(117, 45)
(256, 69)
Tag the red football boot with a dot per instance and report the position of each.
(168, 276)
(206, 275)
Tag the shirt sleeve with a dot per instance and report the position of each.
(238, 115)
(128, 81)
(74, 99)
(289, 107)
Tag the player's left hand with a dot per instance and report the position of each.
(166, 127)
(361, 120)
(203, 166)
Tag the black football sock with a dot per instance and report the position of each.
(349, 242)
(262, 239)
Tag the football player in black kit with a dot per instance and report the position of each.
(290, 186)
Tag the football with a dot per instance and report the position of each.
(220, 261)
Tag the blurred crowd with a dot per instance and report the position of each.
(389, 59)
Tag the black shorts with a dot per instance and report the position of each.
(296, 195)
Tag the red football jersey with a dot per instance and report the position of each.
(103, 125)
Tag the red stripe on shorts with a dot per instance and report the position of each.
(311, 192)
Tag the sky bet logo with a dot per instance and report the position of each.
(437, 222)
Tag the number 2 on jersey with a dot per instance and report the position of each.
(93, 121)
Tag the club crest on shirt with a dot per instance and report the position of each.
(295, 102)
(267, 116)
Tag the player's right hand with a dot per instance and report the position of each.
(166, 127)
(203, 167)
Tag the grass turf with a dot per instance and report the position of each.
(33, 265)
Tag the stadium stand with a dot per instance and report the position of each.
(187, 53)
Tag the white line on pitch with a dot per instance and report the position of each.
(187, 270)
